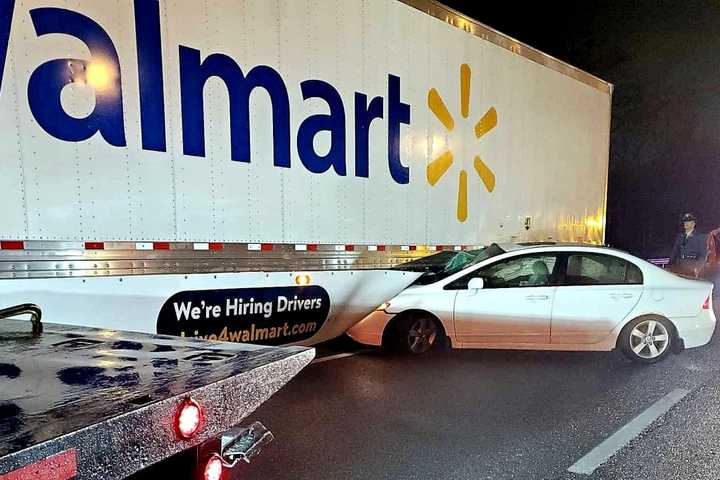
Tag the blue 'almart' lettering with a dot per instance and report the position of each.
(149, 58)
(311, 126)
(194, 74)
(49, 79)
(6, 14)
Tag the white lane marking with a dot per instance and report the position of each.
(337, 356)
(602, 453)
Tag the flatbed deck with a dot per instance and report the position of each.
(109, 397)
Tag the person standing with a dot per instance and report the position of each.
(690, 249)
(711, 269)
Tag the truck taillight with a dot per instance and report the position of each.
(706, 305)
(213, 468)
(188, 419)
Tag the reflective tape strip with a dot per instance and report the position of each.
(62, 466)
(306, 247)
(53, 245)
(213, 246)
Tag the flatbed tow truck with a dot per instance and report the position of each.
(86, 403)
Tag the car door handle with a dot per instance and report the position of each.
(537, 297)
(621, 295)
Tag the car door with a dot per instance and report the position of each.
(596, 292)
(513, 307)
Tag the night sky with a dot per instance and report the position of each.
(664, 59)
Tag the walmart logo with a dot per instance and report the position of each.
(437, 169)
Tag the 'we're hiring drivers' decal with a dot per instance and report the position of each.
(269, 315)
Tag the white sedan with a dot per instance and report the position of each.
(545, 297)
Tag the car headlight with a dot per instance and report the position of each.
(383, 307)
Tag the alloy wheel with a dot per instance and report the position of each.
(421, 335)
(649, 339)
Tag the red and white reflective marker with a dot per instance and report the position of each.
(213, 468)
(189, 418)
(62, 466)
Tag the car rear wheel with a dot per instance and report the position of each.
(417, 334)
(647, 339)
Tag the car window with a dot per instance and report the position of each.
(599, 269)
(524, 271)
(444, 264)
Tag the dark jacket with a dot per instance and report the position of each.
(689, 252)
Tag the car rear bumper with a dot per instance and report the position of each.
(369, 330)
(697, 331)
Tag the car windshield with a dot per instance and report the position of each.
(443, 264)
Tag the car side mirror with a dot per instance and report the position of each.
(476, 283)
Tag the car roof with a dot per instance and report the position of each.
(516, 247)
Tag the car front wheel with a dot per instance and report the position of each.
(647, 339)
(417, 334)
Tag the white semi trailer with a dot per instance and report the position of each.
(249, 170)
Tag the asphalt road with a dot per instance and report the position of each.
(490, 415)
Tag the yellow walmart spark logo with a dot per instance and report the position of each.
(440, 165)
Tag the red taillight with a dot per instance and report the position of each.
(188, 419)
(213, 468)
(706, 305)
